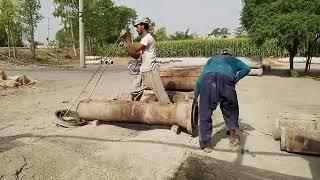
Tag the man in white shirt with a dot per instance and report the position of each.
(149, 75)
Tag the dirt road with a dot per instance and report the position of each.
(33, 147)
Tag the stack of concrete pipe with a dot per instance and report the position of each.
(299, 136)
(177, 77)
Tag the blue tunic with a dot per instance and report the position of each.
(224, 64)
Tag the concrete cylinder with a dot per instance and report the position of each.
(300, 140)
(302, 124)
(174, 96)
(196, 71)
(179, 113)
(184, 79)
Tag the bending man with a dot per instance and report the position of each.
(216, 85)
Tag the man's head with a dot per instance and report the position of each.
(227, 52)
(141, 25)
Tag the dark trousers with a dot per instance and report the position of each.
(217, 88)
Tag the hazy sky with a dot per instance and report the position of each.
(47, 8)
(201, 16)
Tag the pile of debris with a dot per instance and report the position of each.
(14, 81)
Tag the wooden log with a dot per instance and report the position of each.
(2, 83)
(302, 124)
(9, 83)
(3, 76)
(22, 79)
(300, 140)
(138, 112)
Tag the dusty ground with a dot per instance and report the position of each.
(33, 147)
(61, 58)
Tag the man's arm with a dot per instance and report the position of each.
(133, 50)
(197, 87)
(242, 69)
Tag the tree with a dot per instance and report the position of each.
(10, 20)
(220, 33)
(64, 38)
(312, 41)
(240, 32)
(161, 34)
(29, 11)
(287, 21)
(313, 35)
(102, 19)
(179, 35)
(67, 10)
(3, 36)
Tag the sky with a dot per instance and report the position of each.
(47, 8)
(200, 16)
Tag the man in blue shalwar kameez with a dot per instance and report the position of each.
(216, 85)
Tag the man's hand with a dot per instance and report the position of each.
(126, 37)
(123, 33)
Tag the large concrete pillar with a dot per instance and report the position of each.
(180, 113)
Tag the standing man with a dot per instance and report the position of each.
(145, 50)
(216, 85)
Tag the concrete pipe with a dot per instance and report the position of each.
(174, 96)
(300, 140)
(179, 114)
(303, 124)
(184, 79)
(196, 71)
(253, 61)
(179, 79)
(256, 72)
(100, 61)
(179, 83)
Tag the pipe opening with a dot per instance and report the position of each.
(195, 118)
(69, 119)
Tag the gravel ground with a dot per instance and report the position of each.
(33, 147)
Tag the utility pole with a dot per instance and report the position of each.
(48, 35)
(81, 34)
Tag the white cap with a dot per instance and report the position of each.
(141, 21)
